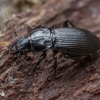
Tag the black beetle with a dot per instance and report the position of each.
(70, 41)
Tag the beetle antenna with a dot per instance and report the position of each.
(11, 69)
(0, 29)
(12, 27)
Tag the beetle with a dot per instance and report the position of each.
(70, 41)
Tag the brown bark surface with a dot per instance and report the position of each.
(74, 80)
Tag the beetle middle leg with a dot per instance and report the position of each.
(65, 24)
(55, 57)
(43, 56)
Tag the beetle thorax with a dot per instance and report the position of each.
(40, 40)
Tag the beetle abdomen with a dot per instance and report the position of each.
(76, 41)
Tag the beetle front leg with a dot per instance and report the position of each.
(43, 56)
(65, 24)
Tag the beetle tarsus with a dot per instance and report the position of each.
(11, 69)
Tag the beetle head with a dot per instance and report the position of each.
(20, 46)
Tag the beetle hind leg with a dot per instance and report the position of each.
(95, 67)
(89, 63)
(77, 59)
(65, 24)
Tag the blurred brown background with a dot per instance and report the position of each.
(13, 7)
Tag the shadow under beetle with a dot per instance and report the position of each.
(70, 41)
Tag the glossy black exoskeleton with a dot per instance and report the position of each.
(70, 41)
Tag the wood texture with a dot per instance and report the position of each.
(75, 80)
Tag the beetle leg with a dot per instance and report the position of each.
(95, 67)
(40, 59)
(11, 69)
(67, 56)
(81, 60)
(49, 27)
(31, 27)
(89, 63)
(42, 26)
(55, 57)
(55, 66)
(65, 24)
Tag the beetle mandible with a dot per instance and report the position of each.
(70, 41)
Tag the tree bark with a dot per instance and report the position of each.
(74, 80)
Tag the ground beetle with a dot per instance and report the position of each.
(70, 41)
